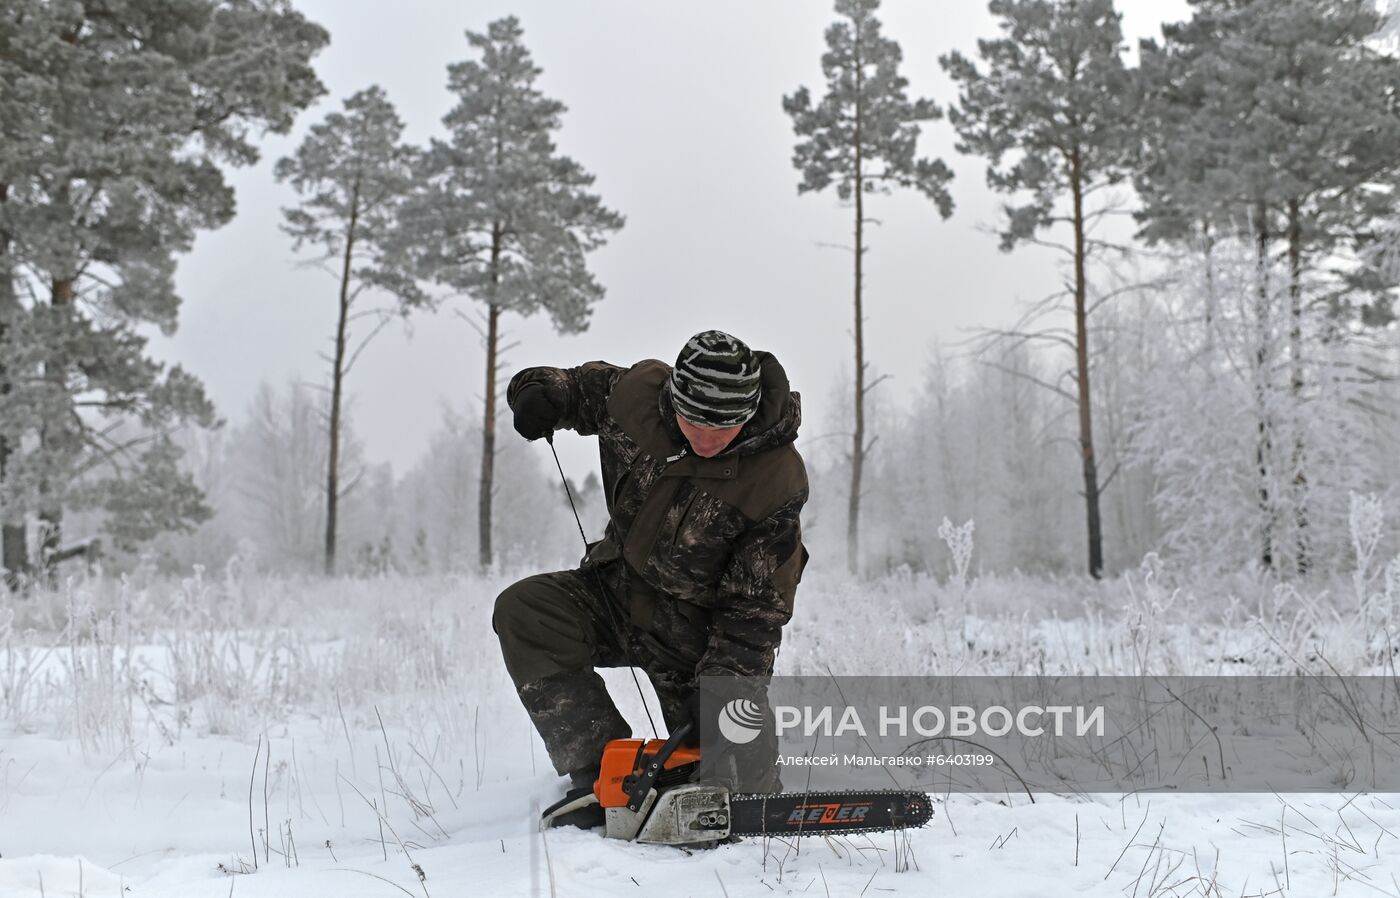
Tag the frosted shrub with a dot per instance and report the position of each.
(233, 652)
(96, 666)
(1374, 610)
(959, 543)
(17, 665)
(1140, 611)
(1366, 519)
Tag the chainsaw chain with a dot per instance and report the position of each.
(914, 822)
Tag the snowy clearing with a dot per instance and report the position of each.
(162, 737)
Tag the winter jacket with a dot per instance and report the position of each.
(719, 535)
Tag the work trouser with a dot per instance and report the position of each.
(557, 628)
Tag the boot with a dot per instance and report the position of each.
(579, 806)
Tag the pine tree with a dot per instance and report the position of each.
(1054, 99)
(501, 216)
(1275, 123)
(18, 124)
(353, 173)
(125, 114)
(862, 137)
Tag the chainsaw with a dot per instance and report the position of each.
(645, 788)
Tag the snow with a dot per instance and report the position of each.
(168, 829)
(106, 793)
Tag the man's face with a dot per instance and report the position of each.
(708, 441)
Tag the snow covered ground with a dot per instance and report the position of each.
(258, 737)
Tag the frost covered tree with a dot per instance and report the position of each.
(117, 119)
(352, 172)
(206, 454)
(977, 442)
(501, 216)
(862, 138)
(1052, 115)
(277, 464)
(1196, 423)
(436, 495)
(264, 476)
(1274, 124)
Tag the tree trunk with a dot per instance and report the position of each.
(858, 437)
(1264, 443)
(13, 551)
(1081, 352)
(53, 440)
(488, 427)
(337, 384)
(1295, 345)
(1212, 301)
(14, 557)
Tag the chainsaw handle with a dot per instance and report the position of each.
(638, 793)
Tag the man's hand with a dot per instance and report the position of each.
(535, 413)
(690, 713)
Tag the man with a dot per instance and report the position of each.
(696, 572)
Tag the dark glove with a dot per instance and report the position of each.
(690, 713)
(535, 413)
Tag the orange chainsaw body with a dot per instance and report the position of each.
(624, 759)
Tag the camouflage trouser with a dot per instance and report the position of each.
(556, 628)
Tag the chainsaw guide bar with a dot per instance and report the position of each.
(828, 813)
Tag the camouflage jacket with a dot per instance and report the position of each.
(720, 536)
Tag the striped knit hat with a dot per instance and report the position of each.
(716, 381)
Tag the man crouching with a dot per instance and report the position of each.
(696, 572)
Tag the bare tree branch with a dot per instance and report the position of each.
(1029, 377)
(874, 383)
(383, 323)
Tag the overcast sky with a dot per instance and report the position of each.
(676, 107)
